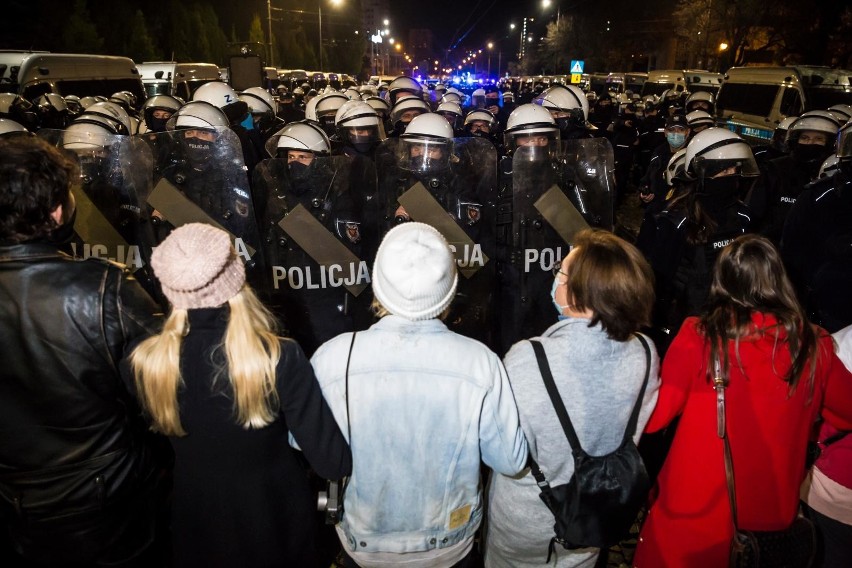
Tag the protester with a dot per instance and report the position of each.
(77, 474)
(228, 392)
(422, 406)
(603, 292)
(781, 372)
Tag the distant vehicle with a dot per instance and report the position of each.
(622, 82)
(753, 100)
(597, 83)
(664, 80)
(699, 80)
(178, 79)
(35, 73)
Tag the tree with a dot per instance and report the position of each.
(140, 46)
(79, 34)
(256, 34)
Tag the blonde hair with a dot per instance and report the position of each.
(251, 351)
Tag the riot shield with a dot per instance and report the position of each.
(316, 246)
(554, 196)
(111, 220)
(589, 176)
(199, 177)
(452, 191)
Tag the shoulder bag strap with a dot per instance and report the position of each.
(634, 416)
(719, 383)
(346, 391)
(555, 399)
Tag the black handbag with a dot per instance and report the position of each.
(597, 507)
(793, 547)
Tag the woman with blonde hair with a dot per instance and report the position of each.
(228, 392)
(776, 373)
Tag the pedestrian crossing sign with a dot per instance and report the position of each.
(577, 66)
(576, 78)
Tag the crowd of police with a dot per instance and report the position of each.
(308, 182)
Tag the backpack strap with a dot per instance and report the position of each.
(634, 416)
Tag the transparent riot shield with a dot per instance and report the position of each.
(588, 172)
(111, 219)
(316, 242)
(199, 177)
(449, 185)
(554, 196)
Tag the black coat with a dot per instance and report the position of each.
(242, 497)
(74, 462)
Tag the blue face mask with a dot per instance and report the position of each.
(675, 139)
(559, 309)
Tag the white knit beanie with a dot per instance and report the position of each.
(414, 275)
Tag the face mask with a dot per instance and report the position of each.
(675, 139)
(198, 151)
(720, 190)
(157, 124)
(805, 153)
(298, 170)
(248, 123)
(559, 309)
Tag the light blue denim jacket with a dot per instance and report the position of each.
(426, 405)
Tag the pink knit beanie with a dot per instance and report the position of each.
(198, 267)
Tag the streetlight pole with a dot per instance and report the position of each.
(269, 29)
(320, 35)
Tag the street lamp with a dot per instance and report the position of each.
(333, 3)
(490, 47)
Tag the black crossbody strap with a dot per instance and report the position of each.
(634, 416)
(836, 437)
(719, 383)
(555, 399)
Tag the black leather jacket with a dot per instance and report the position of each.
(70, 441)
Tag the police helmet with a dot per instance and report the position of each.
(432, 136)
(407, 105)
(565, 98)
(829, 167)
(327, 107)
(259, 101)
(380, 105)
(450, 111)
(402, 85)
(531, 121)
(87, 136)
(842, 112)
(481, 115)
(676, 168)
(9, 127)
(779, 135)
(359, 124)
(198, 115)
(701, 100)
(820, 121)
(224, 97)
(302, 136)
(110, 112)
(698, 120)
(716, 150)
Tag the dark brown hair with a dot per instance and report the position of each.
(35, 178)
(749, 278)
(610, 277)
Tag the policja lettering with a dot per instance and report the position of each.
(331, 276)
(471, 256)
(546, 258)
(127, 255)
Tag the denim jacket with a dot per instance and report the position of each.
(426, 406)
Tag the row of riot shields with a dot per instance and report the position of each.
(309, 235)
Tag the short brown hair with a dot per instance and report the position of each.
(35, 178)
(610, 277)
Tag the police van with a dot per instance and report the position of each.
(664, 80)
(35, 73)
(619, 83)
(753, 100)
(700, 80)
(177, 79)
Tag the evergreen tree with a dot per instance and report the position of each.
(140, 46)
(79, 34)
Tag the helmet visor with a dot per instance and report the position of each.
(425, 156)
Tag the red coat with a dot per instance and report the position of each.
(690, 523)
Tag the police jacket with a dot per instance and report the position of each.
(69, 439)
(420, 425)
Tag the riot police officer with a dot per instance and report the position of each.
(682, 241)
(316, 272)
(570, 109)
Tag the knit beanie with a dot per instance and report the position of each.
(414, 275)
(198, 267)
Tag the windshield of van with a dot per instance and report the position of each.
(655, 88)
(823, 97)
(825, 87)
(747, 98)
(696, 87)
(87, 87)
(158, 88)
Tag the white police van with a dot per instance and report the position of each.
(753, 100)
